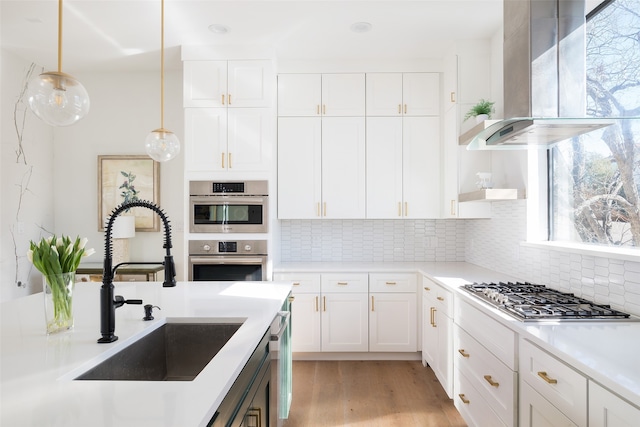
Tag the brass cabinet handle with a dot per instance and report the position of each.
(318, 109)
(545, 377)
(440, 298)
(399, 109)
(324, 109)
(463, 398)
(343, 283)
(399, 208)
(229, 100)
(406, 208)
(222, 157)
(291, 298)
(317, 303)
(222, 98)
(318, 209)
(405, 108)
(230, 161)
(324, 209)
(427, 289)
(491, 382)
(373, 306)
(390, 283)
(433, 317)
(453, 207)
(296, 283)
(324, 303)
(463, 353)
(452, 96)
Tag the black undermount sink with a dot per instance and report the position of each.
(173, 352)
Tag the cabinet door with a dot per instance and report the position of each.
(205, 83)
(305, 322)
(421, 94)
(450, 81)
(299, 94)
(444, 360)
(536, 411)
(392, 322)
(299, 167)
(429, 331)
(249, 84)
(421, 167)
(205, 139)
(343, 95)
(384, 167)
(384, 94)
(249, 139)
(608, 410)
(343, 167)
(345, 322)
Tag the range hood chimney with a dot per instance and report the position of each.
(544, 76)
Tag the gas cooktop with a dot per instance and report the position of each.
(531, 302)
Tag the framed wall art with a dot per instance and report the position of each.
(124, 178)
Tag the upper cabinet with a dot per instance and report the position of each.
(244, 83)
(403, 94)
(315, 95)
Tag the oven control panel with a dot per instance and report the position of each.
(227, 247)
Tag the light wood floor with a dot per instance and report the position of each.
(368, 393)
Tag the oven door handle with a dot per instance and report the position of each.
(284, 323)
(222, 260)
(226, 200)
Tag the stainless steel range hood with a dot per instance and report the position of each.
(544, 76)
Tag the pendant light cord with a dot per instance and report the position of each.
(161, 67)
(60, 36)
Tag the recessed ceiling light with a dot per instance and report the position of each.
(218, 29)
(361, 27)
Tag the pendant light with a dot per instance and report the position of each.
(56, 97)
(161, 144)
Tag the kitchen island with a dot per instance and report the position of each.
(37, 371)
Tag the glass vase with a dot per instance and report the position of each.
(58, 301)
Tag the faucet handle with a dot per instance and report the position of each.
(119, 301)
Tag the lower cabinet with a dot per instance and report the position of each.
(608, 410)
(353, 312)
(556, 392)
(437, 329)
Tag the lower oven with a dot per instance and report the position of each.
(227, 260)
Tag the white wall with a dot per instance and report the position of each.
(62, 194)
(25, 182)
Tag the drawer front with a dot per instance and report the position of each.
(556, 382)
(536, 411)
(498, 339)
(473, 408)
(303, 283)
(497, 383)
(443, 297)
(395, 282)
(350, 282)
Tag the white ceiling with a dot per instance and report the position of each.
(125, 34)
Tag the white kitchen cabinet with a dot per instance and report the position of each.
(403, 167)
(437, 330)
(485, 354)
(608, 410)
(393, 312)
(242, 83)
(220, 139)
(459, 165)
(305, 311)
(555, 382)
(403, 94)
(321, 167)
(331, 95)
(345, 320)
(472, 405)
(536, 411)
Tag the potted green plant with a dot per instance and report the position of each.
(481, 111)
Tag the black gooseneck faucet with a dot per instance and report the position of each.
(109, 303)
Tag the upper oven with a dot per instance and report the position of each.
(228, 206)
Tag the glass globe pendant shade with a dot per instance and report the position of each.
(58, 98)
(162, 145)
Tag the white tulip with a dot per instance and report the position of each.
(88, 252)
(83, 243)
(30, 255)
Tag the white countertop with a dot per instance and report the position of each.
(606, 351)
(37, 371)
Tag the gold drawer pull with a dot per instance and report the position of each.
(440, 298)
(433, 317)
(222, 99)
(343, 283)
(317, 304)
(230, 166)
(463, 353)
(452, 97)
(491, 382)
(545, 377)
(324, 303)
(291, 298)
(229, 99)
(373, 304)
(399, 108)
(296, 283)
(389, 283)
(427, 289)
(464, 399)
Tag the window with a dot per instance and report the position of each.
(595, 178)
